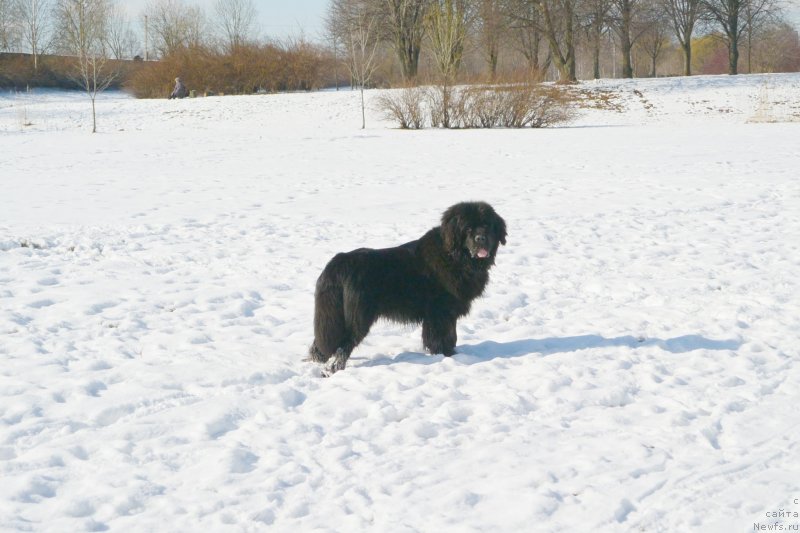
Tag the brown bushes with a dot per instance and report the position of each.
(404, 106)
(16, 71)
(523, 105)
(299, 65)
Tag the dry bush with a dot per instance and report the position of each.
(504, 106)
(296, 66)
(523, 105)
(17, 72)
(538, 106)
(404, 106)
(485, 108)
(449, 107)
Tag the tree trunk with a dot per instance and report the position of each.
(565, 62)
(596, 57)
(733, 43)
(733, 58)
(625, 42)
(409, 59)
(94, 118)
(687, 58)
(363, 113)
(627, 68)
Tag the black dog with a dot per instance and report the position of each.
(432, 280)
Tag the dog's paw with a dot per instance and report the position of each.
(338, 362)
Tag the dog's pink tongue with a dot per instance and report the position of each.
(483, 253)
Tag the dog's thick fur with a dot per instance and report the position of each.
(432, 281)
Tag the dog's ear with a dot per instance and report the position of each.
(452, 230)
(500, 229)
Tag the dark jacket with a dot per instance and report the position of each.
(179, 91)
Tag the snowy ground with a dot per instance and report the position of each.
(634, 364)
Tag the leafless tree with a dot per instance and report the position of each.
(492, 27)
(174, 25)
(354, 23)
(777, 48)
(683, 16)
(558, 22)
(653, 39)
(629, 20)
(236, 20)
(34, 16)
(9, 34)
(596, 24)
(362, 45)
(83, 32)
(448, 22)
(404, 28)
(523, 23)
(736, 18)
(121, 39)
(758, 18)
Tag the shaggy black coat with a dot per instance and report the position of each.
(432, 280)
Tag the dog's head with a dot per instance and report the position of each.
(474, 230)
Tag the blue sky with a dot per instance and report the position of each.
(277, 18)
(285, 18)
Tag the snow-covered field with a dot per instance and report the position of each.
(633, 366)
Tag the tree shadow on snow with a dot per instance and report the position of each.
(485, 351)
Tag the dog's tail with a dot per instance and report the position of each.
(330, 328)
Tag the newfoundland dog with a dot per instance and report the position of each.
(432, 281)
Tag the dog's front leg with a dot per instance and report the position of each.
(439, 335)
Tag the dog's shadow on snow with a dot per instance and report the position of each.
(471, 354)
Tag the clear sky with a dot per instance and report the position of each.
(276, 18)
(284, 18)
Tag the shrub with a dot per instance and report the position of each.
(523, 105)
(299, 65)
(404, 106)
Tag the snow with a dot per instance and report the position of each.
(633, 366)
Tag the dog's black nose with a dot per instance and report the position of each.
(480, 239)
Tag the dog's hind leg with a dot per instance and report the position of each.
(358, 319)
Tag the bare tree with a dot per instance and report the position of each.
(34, 17)
(683, 15)
(757, 20)
(334, 36)
(236, 20)
(629, 21)
(596, 17)
(558, 21)
(491, 25)
(121, 39)
(174, 25)
(361, 47)
(405, 30)
(9, 35)
(354, 23)
(653, 39)
(82, 27)
(447, 24)
(523, 22)
(735, 18)
(777, 48)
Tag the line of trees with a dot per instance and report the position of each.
(548, 34)
(393, 41)
(38, 27)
